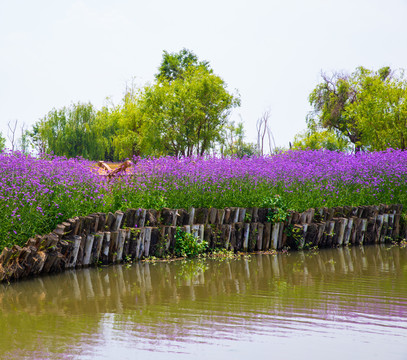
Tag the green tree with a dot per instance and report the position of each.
(330, 99)
(2, 142)
(367, 107)
(185, 115)
(70, 131)
(320, 139)
(174, 65)
(127, 141)
(381, 110)
(233, 141)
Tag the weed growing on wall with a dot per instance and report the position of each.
(187, 245)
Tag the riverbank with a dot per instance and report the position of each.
(101, 239)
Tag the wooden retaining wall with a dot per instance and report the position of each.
(138, 233)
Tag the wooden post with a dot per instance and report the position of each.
(142, 218)
(140, 243)
(226, 219)
(201, 216)
(88, 249)
(383, 233)
(126, 247)
(259, 239)
(128, 218)
(343, 222)
(234, 215)
(347, 232)
(226, 236)
(191, 216)
(120, 244)
(152, 216)
(119, 217)
(253, 236)
(320, 235)
(220, 216)
(379, 225)
(114, 235)
(239, 232)
(242, 215)
(246, 237)
(147, 240)
(111, 219)
(106, 248)
(266, 236)
(274, 236)
(98, 248)
(212, 215)
(76, 241)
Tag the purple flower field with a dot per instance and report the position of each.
(36, 194)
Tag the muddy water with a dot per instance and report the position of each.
(334, 304)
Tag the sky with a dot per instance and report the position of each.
(272, 53)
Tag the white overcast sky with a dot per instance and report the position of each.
(53, 53)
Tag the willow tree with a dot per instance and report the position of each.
(69, 131)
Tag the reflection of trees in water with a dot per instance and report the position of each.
(213, 293)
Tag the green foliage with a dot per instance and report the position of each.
(184, 116)
(187, 245)
(381, 110)
(2, 142)
(368, 107)
(174, 65)
(233, 141)
(70, 131)
(278, 209)
(320, 139)
(182, 113)
(129, 119)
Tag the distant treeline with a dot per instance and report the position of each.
(185, 112)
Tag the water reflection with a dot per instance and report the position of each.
(180, 307)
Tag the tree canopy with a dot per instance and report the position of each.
(2, 142)
(174, 65)
(367, 107)
(185, 116)
(183, 112)
(70, 131)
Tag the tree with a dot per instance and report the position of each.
(233, 141)
(185, 115)
(127, 140)
(174, 65)
(11, 133)
(368, 107)
(182, 113)
(70, 132)
(381, 110)
(320, 139)
(2, 142)
(37, 137)
(263, 129)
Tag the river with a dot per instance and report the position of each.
(346, 303)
